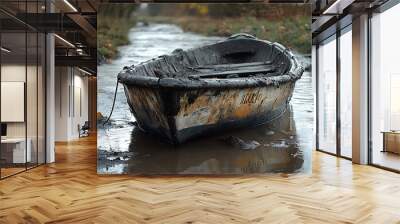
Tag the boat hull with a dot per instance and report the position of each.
(178, 115)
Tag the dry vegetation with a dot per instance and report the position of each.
(286, 24)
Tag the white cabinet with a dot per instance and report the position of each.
(17, 146)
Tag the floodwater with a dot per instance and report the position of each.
(283, 145)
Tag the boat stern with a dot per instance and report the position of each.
(148, 105)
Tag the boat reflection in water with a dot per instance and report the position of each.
(272, 147)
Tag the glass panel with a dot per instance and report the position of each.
(31, 98)
(385, 84)
(32, 89)
(23, 90)
(346, 94)
(327, 96)
(41, 99)
(13, 87)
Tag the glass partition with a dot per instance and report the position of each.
(346, 92)
(41, 97)
(22, 77)
(31, 98)
(13, 94)
(385, 89)
(326, 103)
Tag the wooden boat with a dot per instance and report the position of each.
(241, 81)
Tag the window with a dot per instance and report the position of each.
(326, 102)
(346, 92)
(385, 89)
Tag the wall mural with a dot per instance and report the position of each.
(204, 89)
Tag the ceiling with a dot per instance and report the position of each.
(331, 15)
(73, 21)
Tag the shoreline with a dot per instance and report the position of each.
(114, 33)
(284, 31)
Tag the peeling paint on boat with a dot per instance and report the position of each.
(215, 106)
(146, 105)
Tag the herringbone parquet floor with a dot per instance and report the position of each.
(70, 191)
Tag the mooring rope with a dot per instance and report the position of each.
(112, 108)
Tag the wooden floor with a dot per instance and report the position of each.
(387, 159)
(70, 191)
(5, 172)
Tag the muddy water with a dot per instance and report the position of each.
(283, 145)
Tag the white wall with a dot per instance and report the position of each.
(61, 103)
(33, 126)
(70, 84)
(81, 83)
(14, 73)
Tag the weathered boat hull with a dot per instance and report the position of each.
(180, 115)
(239, 82)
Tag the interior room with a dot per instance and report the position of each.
(48, 102)
(72, 112)
(22, 99)
(336, 84)
(47, 82)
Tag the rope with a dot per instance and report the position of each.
(112, 108)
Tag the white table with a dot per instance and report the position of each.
(19, 154)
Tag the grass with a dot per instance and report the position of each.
(292, 32)
(111, 33)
